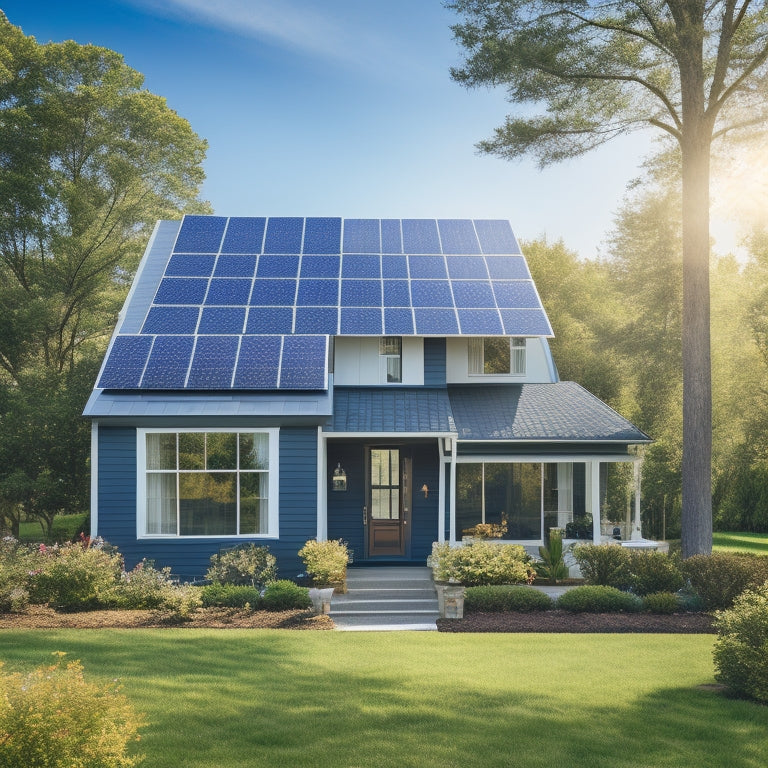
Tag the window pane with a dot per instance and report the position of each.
(161, 451)
(192, 450)
(513, 493)
(221, 450)
(475, 356)
(394, 468)
(394, 370)
(390, 345)
(207, 503)
(379, 504)
(253, 502)
(161, 503)
(518, 356)
(469, 496)
(254, 451)
(496, 355)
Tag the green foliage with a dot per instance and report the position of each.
(603, 564)
(247, 564)
(145, 587)
(480, 563)
(598, 599)
(284, 595)
(741, 648)
(180, 603)
(501, 597)
(654, 572)
(230, 596)
(54, 718)
(18, 564)
(552, 565)
(719, 578)
(325, 561)
(661, 602)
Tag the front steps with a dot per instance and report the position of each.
(386, 598)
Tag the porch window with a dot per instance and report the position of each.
(391, 359)
(496, 355)
(200, 483)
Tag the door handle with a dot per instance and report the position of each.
(365, 515)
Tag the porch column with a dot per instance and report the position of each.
(594, 497)
(322, 486)
(637, 525)
(452, 498)
(441, 494)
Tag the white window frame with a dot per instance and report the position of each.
(476, 357)
(273, 482)
(385, 357)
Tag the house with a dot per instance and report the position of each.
(388, 382)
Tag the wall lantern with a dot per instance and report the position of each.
(339, 478)
(425, 490)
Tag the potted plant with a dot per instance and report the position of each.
(326, 562)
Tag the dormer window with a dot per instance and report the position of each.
(391, 359)
(496, 355)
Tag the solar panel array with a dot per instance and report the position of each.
(249, 303)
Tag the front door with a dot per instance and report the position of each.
(388, 510)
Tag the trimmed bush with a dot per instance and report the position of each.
(741, 649)
(284, 595)
(54, 718)
(652, 572)
(230, 596)
(604, 564)
(501, 597)
(145, 587)
(180, 603)
(598, 599)
(247, 564)
(325, 561)
(661, 602)
(718, 579)
(480, 563)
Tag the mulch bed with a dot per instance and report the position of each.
(563, 621)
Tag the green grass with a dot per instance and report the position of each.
(64, 528)
(244, 698)
(756, 543)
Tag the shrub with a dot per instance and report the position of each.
(180, 603)
(480, 563)
(552, 565)
(505, 598)
(230, 596)
(143, 587)
(598, 599)
(741, 648)
(654, 572)
(661, 602)
(325, 561)
(284, 595)
(247, 564)
(54, 718)
(718, 579)
(604, 564)
(18, 564)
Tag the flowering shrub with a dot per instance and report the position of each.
(243, 565)
(480, 563)
(325, 561)
(143, 587)
(54, 718)
(18, 566)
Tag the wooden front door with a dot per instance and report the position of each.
(388, 510)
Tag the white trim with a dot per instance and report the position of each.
(94, 478)
(273, 499)
(386, 435)
(322, 486)
(555, 458)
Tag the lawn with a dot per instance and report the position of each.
(237, 698)
(740, 542)
(64, 528)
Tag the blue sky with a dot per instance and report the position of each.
(339, 108)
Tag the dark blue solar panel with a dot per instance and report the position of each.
(320, 266)
(200, 234)
(168, 364)
(496, 236)
(396, 293)
(397, 321)
(357, 265)
(273, 293)
(270, 320)
(480, 322)
(427, 267)
(181, 290)
(391, 239)
(314, 293)
(259, 362)
(466, 267)
(473, 293)
(361, 293)
(436, 322)
(356, 321)
(317, 320)
(507, 268)
(515, 294)
(362, 236)
(303, 363)
(431, 293)
(244, 235)
(188, 265)
(458, 236)
(125, 362)
(213, 362)
(235, 266)
(420, 236)
(278, 266)
(222, 320)
(322, 236)
(228, 291)
(394, 266)
(284, 235)
(525, 322)
(171, 320)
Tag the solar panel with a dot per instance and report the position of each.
(244, 235)
(222, 320)
(362, 236)
(200, 234)
(190, 265)
(420, 236)
(270, 320)
(458, 236)
(125, 362)
(360, 293)
(284, 235)
(496, 236)
(168, 362)
(427, 267)
(320, 266)
(213, 362)
(181, 290)
(360, 265)
(259, 362)
(322, 236)
(361, 320)
(235, 266)
(171, 320)
(318, 293)
(303, 362)
(480, 322)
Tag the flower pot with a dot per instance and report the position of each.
(452, 604)
(321, 599)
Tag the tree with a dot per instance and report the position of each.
(692, 69)
(89, 159)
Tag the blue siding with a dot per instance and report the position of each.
(434, 362)
(426, 471)
(189, 558)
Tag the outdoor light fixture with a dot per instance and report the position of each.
(425, 490)
(339, 478)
